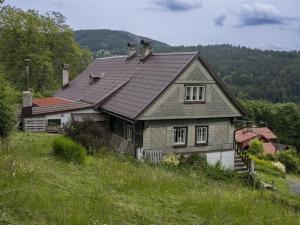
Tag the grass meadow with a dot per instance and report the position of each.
(37, 187)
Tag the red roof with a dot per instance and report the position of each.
(264, 131)
(269, 148)
(50, 101)
(247, 134)
(244, 135)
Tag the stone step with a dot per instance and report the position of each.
(239, 164)
(241, 169)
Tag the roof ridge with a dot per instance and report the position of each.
(175, 53)
(111, 57)
(153, 54)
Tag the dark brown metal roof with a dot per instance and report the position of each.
(127, 88)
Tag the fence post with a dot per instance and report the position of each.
(139, 153)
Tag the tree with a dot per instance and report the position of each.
(7, 114)
(44, 39)
(256, 147)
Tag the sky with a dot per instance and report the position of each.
(265, 24)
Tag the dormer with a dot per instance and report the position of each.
(95, 77)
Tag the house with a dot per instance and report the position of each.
(169, 101)
(246, 135)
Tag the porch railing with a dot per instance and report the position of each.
(244, 157)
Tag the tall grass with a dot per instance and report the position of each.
(69, 150)
(109, 190)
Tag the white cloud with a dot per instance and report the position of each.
(260, 14)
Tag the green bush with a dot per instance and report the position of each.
(69, 150)
(217, 172)
(256, 147)
(267, 157)
(195, 160)
(289, 159)
(171, 159)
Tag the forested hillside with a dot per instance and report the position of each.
(250, 73)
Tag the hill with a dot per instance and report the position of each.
(38, 188)
(250, 73)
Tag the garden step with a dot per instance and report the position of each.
(242, 169)
(239, 164)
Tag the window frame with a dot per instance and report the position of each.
(131, 136)
(185, 139)
(191, 94)
(196, 135)
(52, 120)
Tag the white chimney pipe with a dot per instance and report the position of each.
(65, 75)
(131, 50)
(27, 99)
(146, 50)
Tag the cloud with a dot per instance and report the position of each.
(260, 14)
(178, 5)
(219, 20)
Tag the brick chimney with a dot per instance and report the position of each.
(27, 103)
(146, 50)
(65, 75)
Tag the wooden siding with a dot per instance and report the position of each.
(159, 134)
(171, 104)
(34, 124)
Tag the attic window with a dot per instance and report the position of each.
(95, 77)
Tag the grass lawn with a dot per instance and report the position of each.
(113, 190)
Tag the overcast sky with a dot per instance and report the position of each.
(263, 24)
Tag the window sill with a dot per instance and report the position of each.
(201, 144)
(179, 146)
(194, 102)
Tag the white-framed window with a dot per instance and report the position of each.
(179, 135)
(194, 93)
(129, 132)
(201, 135)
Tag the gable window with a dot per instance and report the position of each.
(201, 135)
(179, 136)
(195, 93)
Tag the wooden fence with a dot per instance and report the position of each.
(120, 145)
(150, 155)
(34, 125)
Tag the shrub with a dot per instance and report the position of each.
(255, 147)
(171, 159)
(289, 159)
(196, 160)
(92, 136)
(267, 157)
(279, 166)
(217, 172)
(69, 150)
